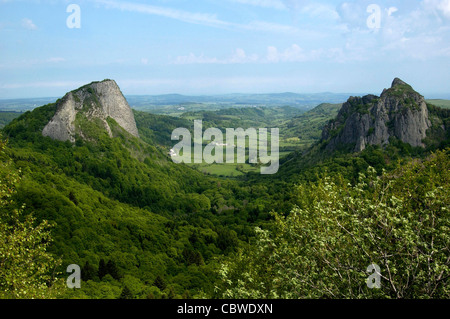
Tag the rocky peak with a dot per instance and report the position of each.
(97, 102)
(399, 112)
(397, 81)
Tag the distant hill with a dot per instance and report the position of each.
(147, 102)
(307, 128)
(176, 104)
(22, 105)
(141, 226)
(445, 104)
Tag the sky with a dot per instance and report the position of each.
(205, 47)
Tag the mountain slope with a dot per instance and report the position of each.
(134, 220)
(119, 198)
(308, 127)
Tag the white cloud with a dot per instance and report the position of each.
(441, 7)
(239, 56)
(295, 53)
(444, 7)
(420, 34)
(417, 31)
(292, 5)
(56, 60)
(321, 11)
(193, 59)
(292, 54)
(268, 27)
(28, 24)
(311, 8)
(190, 17)
(295, 5)
(206, 19)
(392, 10)
(272, 55)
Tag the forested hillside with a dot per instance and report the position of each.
(322, 248)
(140, 226)
(122, 201)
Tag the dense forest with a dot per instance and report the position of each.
(140, 226)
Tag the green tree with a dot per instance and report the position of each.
(112, 269)
(322, 249)
(126, 293)
(102, 269)
(88, 272)
(160, 283)
(26, 268)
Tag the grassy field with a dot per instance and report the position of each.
(235, 169)
(224, 170)
(445, 104)
(298, 130)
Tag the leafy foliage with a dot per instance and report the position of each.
(122, 200)
(322, 248)
(142, 227)
(27, 269)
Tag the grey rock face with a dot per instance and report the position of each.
(399, 112)
(96, 100)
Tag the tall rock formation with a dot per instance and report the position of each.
(97, 102)
(399, 112)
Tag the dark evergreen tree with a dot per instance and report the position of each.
(192, 257)
(171, 294)
(73, 198)
(88, 272)
(186, 295)
(112, 269)
(102, 270)
(126, 293)
(160, 283)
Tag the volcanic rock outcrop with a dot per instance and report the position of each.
(96, 102)
(399, 112)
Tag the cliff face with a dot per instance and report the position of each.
(97, 101)
(399, 112)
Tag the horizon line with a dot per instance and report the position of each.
(432, 95)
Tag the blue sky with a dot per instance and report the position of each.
(225, 46)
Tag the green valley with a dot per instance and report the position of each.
(140, 226)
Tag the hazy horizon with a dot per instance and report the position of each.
(444, 95)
